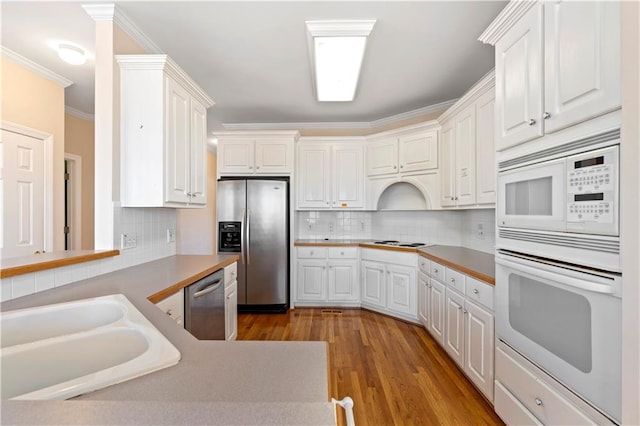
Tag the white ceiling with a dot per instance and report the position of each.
(252, 59)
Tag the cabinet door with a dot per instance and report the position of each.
(314, 176)
(401, 289)
(343, 281)
(312, 280)
(454, 327)
(465, 137)
(436, 310)
(231, 311)
(198, 164)
(485, 150)
(582, 61)
(418, 152)
(273, 156)
(519, 81)
(479, 348)
(447, 165)
(235, 156)
(348, 176)
(178, 152)
(423, 299)
(382, 157)
(373, 283)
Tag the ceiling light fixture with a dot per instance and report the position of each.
(336, 51)
(71, 54)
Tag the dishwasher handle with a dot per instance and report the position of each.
(208, 289)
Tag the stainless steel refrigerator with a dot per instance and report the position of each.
(253, 221)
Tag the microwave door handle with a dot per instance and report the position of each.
(570, 281)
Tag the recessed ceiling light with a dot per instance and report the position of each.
(336, 51)
(71, 54)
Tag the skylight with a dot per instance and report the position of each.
(336, 51)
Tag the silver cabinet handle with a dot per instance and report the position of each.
(250, 167)
(453, 280)
(538, 402)
(402, 166)
(395, 167)
(257, 167)
(208, 289)
(341, 253)
(311, 253)
(169, 312)
(459, 308)
(229, 297)
(546, 115)
(532, 122)
(435, 270)
(475, 291)
(327, 203)
(465, 311)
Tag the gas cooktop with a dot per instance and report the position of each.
(399, 244)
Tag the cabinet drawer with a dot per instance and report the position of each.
(230, 273)
(510, 410)
(455, 280)
(437, 271)
(312, 252)
(479, 291)
(546, 404)
(343, 252)
(424, 264)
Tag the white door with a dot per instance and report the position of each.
(22, 164)
(382, 157)
(178, 152)
(436, 310)
(582, 61)
(466, 156)
(519, 81)
(348, 176)
(454, 327)
(478, 363)
(423, 299)
(314, 176)
(418, 152)
(373, 283)
(401, 285)
(485, 150)
(312, 278)
(274, 156)
(447, 165)
(343, 281)
(198, 166)
(235, 156)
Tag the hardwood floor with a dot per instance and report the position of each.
(394, 371)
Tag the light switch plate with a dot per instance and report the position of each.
(128, 241)
(171, 235)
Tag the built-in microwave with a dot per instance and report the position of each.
(566, 199)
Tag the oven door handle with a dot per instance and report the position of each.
(541, 272)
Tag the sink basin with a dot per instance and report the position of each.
(64, 350)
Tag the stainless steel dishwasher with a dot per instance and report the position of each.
(204, 307)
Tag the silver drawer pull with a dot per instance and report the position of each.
(475, 291)
(532, 122)
(538, 402)
(311, 253)
(453, 280)
(435, 270)
(169, 312)
(341, 253)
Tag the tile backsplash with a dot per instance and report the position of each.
(448, 227)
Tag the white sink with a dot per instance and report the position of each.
(64, 350)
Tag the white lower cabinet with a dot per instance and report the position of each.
(231, 301)
(373, 284)
(454, 326)
(436, 310)
(327, 277)
(173, 306)
(423, 299)
(478, 347)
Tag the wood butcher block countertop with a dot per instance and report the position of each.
(475, 263)
(215, 382)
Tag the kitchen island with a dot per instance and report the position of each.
(215, 382)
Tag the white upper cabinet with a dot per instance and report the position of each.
(256, 153)
(163, 134)
(408, 150)
(467, 154)
(557, 65)
(330, 173)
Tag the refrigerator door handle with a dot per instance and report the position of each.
(248, 236)
(242, 239)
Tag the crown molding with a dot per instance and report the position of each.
(368, 125)
(110, 12)
(487, 82)
(513, 11)
(78, 114)
(37, 68)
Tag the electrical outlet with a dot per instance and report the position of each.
(480, 231)
(330, 226)
(362, 226)
(171, 235)
(128, 241)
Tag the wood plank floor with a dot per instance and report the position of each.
(394, 371)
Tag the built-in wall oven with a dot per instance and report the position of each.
(566, 320)
(563, 202)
